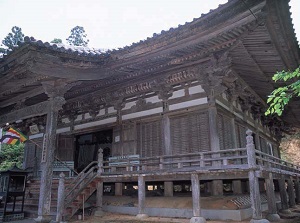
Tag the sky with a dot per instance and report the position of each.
(108, 23)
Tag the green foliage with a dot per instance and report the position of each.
(78, 37)
(13, 38)
(56, 41)
(11, 155)
(281, 96)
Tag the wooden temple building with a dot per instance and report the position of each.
(182, 109)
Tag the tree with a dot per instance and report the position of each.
(56, 41)
(78, 37)
(281, 96)
(13, 38)
(11, 155)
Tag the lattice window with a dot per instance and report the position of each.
(225, 131)
(190, 133)
(241, 135)
(149, 139)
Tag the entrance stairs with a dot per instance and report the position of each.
(77, 191)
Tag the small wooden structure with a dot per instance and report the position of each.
(12, 193)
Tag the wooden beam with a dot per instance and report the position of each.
(24, 113)
(23, 96)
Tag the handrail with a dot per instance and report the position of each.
(80, 182)
(81, 174)
(65, 165)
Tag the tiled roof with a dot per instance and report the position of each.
(69, 49)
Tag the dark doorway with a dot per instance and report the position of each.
(87, 147)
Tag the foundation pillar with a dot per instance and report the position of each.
(297, 190)
(118, 189)
(272, 209)
(168, 189)
(291, 192)
(283, 195)
(217, 187)
(237, 186)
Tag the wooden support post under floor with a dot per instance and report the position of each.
(168, 189)
(283, 195)
(272, 209)
(141, 197)
(291, 193)
(297, 190)
(118, 189)
(99, 197)
(196, 200)
(237, 187)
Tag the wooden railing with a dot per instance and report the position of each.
(269, 161)
(228, 159)
(241, 158)
(80, 182)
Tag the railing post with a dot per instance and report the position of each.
(100, 161)
(60, 198)
(250, 150)
(202, 163)
(161, 165)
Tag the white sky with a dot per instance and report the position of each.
(108, 23)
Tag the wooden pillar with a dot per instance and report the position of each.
(297, 190)
(141, 197)
(291, 192)
(217, 187)
(48, 149)
(237, 186)
(168, 189)
(272, 209)
(60, 198)
(166, 134)
(196, 199)
(253, 180)
(99, 196)
(214, 139)
(118, 189)
(283, 194)
(262, 188)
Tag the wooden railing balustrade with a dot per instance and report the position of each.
(232, 158)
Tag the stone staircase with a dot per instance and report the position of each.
(77, 191)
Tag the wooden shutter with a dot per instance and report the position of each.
(241, 135)
(129, 142)
(189, 133)
(149, 140)
(264, 145)
(65, 147)
(225, 132)
(33, 154)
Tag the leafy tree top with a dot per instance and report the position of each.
(78, 37)
(13, 38)
(56, 40)
(281, 96)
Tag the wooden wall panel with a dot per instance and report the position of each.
(149, 139)
(65, 147)
(190, 133)
(225, 130)
(241, 135)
